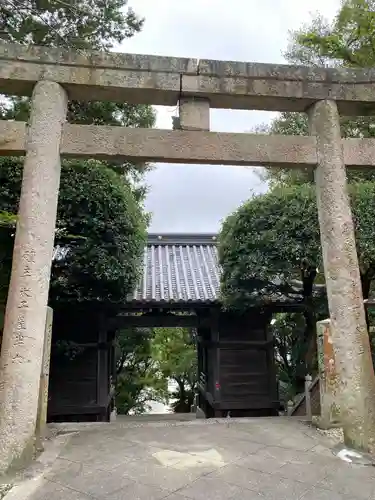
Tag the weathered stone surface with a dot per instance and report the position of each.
(176, 146)
(114, 60)
(92, 83)
(171, 146)
(194, 114)
(25, 315)
(357, 482)
(348, 324)
(359, 152)
(279, 94)
(159, 80)
(12, 138)
(57, 492)
(89, 480)
(289, 72)
(214, 461)
(211, 489)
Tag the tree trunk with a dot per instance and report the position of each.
(181, 388)
(181, 404)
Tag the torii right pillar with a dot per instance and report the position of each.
(349, 330)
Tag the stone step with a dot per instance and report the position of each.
(156, 417)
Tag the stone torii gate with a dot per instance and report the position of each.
(52, 76)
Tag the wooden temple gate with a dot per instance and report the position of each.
(53, 76)
(179, 286)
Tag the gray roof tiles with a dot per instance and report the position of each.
(179, 269)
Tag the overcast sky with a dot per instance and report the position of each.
(195, 198)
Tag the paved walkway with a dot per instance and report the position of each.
(262, 459)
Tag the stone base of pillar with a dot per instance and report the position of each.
(325, 425)
(113, 415)
(200, 413)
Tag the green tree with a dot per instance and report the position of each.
(271, 242)
(290, 353)
(345, 42)
(99, 207)
(174, 352)
(139, 381)
(270, 249)
(267, 245)
(82, 24)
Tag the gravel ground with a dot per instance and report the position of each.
(336, 434)
(4, 488)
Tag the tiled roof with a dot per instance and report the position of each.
(179, 269)
(184, 268)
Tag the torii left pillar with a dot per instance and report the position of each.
(25, 314)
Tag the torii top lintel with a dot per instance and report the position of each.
(159, 80)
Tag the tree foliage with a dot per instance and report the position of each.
(346, 42)
(270, 241)
(290, 353)
(139, 380)
(175, 354)
(7, 225)
(82, 24)
(147, 361)
(266, 245)
(97, 205)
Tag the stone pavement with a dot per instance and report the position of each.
(244, 459)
